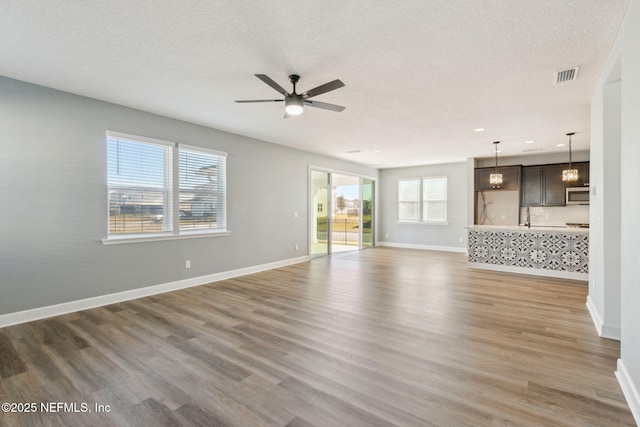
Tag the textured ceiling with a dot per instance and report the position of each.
(420, 75)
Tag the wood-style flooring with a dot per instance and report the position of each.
(379, 337)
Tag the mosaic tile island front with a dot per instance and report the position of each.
(545, 251)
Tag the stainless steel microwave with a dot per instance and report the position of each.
(577, 196)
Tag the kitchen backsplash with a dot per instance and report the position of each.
(503, 208)
(498, 207)
(556, 215)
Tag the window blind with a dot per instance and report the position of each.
(202, 183)
(160, 187)
(139, 181)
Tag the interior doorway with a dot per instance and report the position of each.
(341, 212)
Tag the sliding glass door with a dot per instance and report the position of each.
(341, 212)
(319, 209)
(346, 213)
(368, 191)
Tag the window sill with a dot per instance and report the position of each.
(424, 222)
(141, 238)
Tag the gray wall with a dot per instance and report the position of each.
(444, 236)
(54, 201)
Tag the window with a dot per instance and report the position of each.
(409, 200)
(163, 188)
(423, 200)
(434, 199)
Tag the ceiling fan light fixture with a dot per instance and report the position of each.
(293, 105)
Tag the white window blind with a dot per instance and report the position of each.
(409, 200)
(434, 199)
(202, 190)
(151, 193)
(140, 181)
(422, 200)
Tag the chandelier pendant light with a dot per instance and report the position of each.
(571, 174)
(495, 179)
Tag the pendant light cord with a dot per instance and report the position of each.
(569, 135)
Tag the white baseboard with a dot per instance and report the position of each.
(604, 330)
(423, 247)
(84, 304)
(595, 316)
(629, 390)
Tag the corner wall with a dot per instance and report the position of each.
(450, 237)
(625, 55)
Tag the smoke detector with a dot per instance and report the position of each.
(566, 75)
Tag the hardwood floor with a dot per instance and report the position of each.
(379, 337)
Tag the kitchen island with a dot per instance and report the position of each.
(544, 251)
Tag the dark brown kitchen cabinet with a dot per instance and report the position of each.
(532, 186)
(510, 178)
(583, 174)
(553, 192)
(543, 185)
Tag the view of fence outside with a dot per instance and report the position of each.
(345, 230)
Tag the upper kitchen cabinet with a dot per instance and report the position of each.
(543, 185)
(583, 174)
(553, 190)
(532, 186)
(510, 178)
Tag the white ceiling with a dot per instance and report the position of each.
(420, 75)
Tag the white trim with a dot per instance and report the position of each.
(423, 247)
(182, 146)
(139, 238)
(84, 304)
(595, 316)
(339, 172)
(629, 390)
(137, 138)
(603, 330)
(531, 271)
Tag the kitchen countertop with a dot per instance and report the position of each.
(533, 229)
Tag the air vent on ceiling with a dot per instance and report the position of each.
(353, 151)
(566, 75)
(532, 150)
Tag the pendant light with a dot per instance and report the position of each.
(495, 179)
(571, 174)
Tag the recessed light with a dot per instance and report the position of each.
(559, 145)
(479, 129)
(529, 142)
(377, 151)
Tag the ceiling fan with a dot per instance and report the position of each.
(293, 101)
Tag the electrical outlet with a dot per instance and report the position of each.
(187, 264)
(295, 214)
(297, 248)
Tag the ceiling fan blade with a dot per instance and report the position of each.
(260, 100)
(324, 105)
(327, 87)
(271, 83)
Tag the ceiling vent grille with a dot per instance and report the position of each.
(566, 75)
